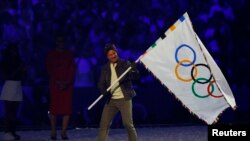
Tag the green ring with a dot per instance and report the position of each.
(196, 80)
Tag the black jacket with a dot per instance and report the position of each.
(125, 83)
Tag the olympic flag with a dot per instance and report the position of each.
(182, 63)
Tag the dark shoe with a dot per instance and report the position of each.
(64, 137)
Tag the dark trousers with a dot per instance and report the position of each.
(10, 116)
(109, 111)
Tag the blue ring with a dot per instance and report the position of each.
(176, 52)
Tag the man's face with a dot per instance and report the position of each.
(112, 56)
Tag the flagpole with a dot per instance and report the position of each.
(119, 78)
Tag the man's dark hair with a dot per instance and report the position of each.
(110, 46)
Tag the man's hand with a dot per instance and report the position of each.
(106, 93)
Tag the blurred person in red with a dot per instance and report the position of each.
(61, 70)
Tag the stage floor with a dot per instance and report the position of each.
(167, 133)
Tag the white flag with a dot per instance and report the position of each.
(183, 64)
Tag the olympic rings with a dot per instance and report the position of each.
(194, 72)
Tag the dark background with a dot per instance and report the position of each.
(223, 27)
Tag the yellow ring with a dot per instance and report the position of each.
(177, 67)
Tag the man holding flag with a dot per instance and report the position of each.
(182, 63)
(120, 94)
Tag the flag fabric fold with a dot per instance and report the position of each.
(182, 64)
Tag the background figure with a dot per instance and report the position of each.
(12, 95)
(120, 95)
(61, 70)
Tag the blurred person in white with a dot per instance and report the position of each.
(13, 71)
